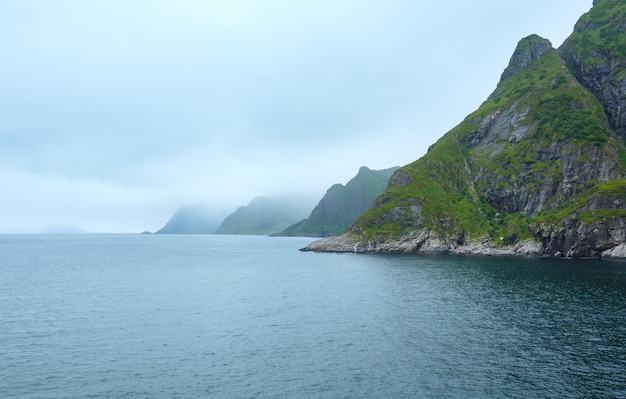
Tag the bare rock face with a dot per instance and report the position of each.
(529, 50)
(617, 252)
(343, 243)
(424, 242)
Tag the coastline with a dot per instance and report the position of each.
(427, 243)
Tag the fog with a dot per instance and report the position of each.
(116, 113)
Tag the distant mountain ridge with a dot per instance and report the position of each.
(265, 216)
(539, 169)
(191, 220)
(341, 205)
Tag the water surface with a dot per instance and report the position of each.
(141, 316)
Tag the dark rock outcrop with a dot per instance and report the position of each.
(527, 51)
(596, 54)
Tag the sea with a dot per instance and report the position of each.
(211, 316)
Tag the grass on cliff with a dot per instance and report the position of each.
(600, 34)
(557, 106)
(612, 190)
(444, 191)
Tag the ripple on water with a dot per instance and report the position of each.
(215, 316)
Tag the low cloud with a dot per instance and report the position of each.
(114, 114)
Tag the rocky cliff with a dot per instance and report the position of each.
(539, 169)
(341, 205)
(595, 53)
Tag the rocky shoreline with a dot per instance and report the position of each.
(425, 243)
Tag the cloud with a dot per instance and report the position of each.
(114, 113)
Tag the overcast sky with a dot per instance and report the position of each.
(115, 113)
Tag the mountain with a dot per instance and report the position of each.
(265, 216)
(191, 220)
(538, 170)
(341, 205)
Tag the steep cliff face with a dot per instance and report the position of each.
(596, 54)
(341, 205)
(538, 169)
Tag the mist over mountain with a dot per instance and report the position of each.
(266, 216)
(192, 220)
(539, 169)
(62, 229)
(341, 205)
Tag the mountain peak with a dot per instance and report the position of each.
(528, 50)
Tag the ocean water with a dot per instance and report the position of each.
(152, 316)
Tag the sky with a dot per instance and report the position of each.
(115, 113)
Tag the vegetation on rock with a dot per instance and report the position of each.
(541, 160)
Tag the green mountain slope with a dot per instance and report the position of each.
(596, 54)
(538, 169)
(341, 205)
(265, 216)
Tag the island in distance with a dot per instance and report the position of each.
(341, 205)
